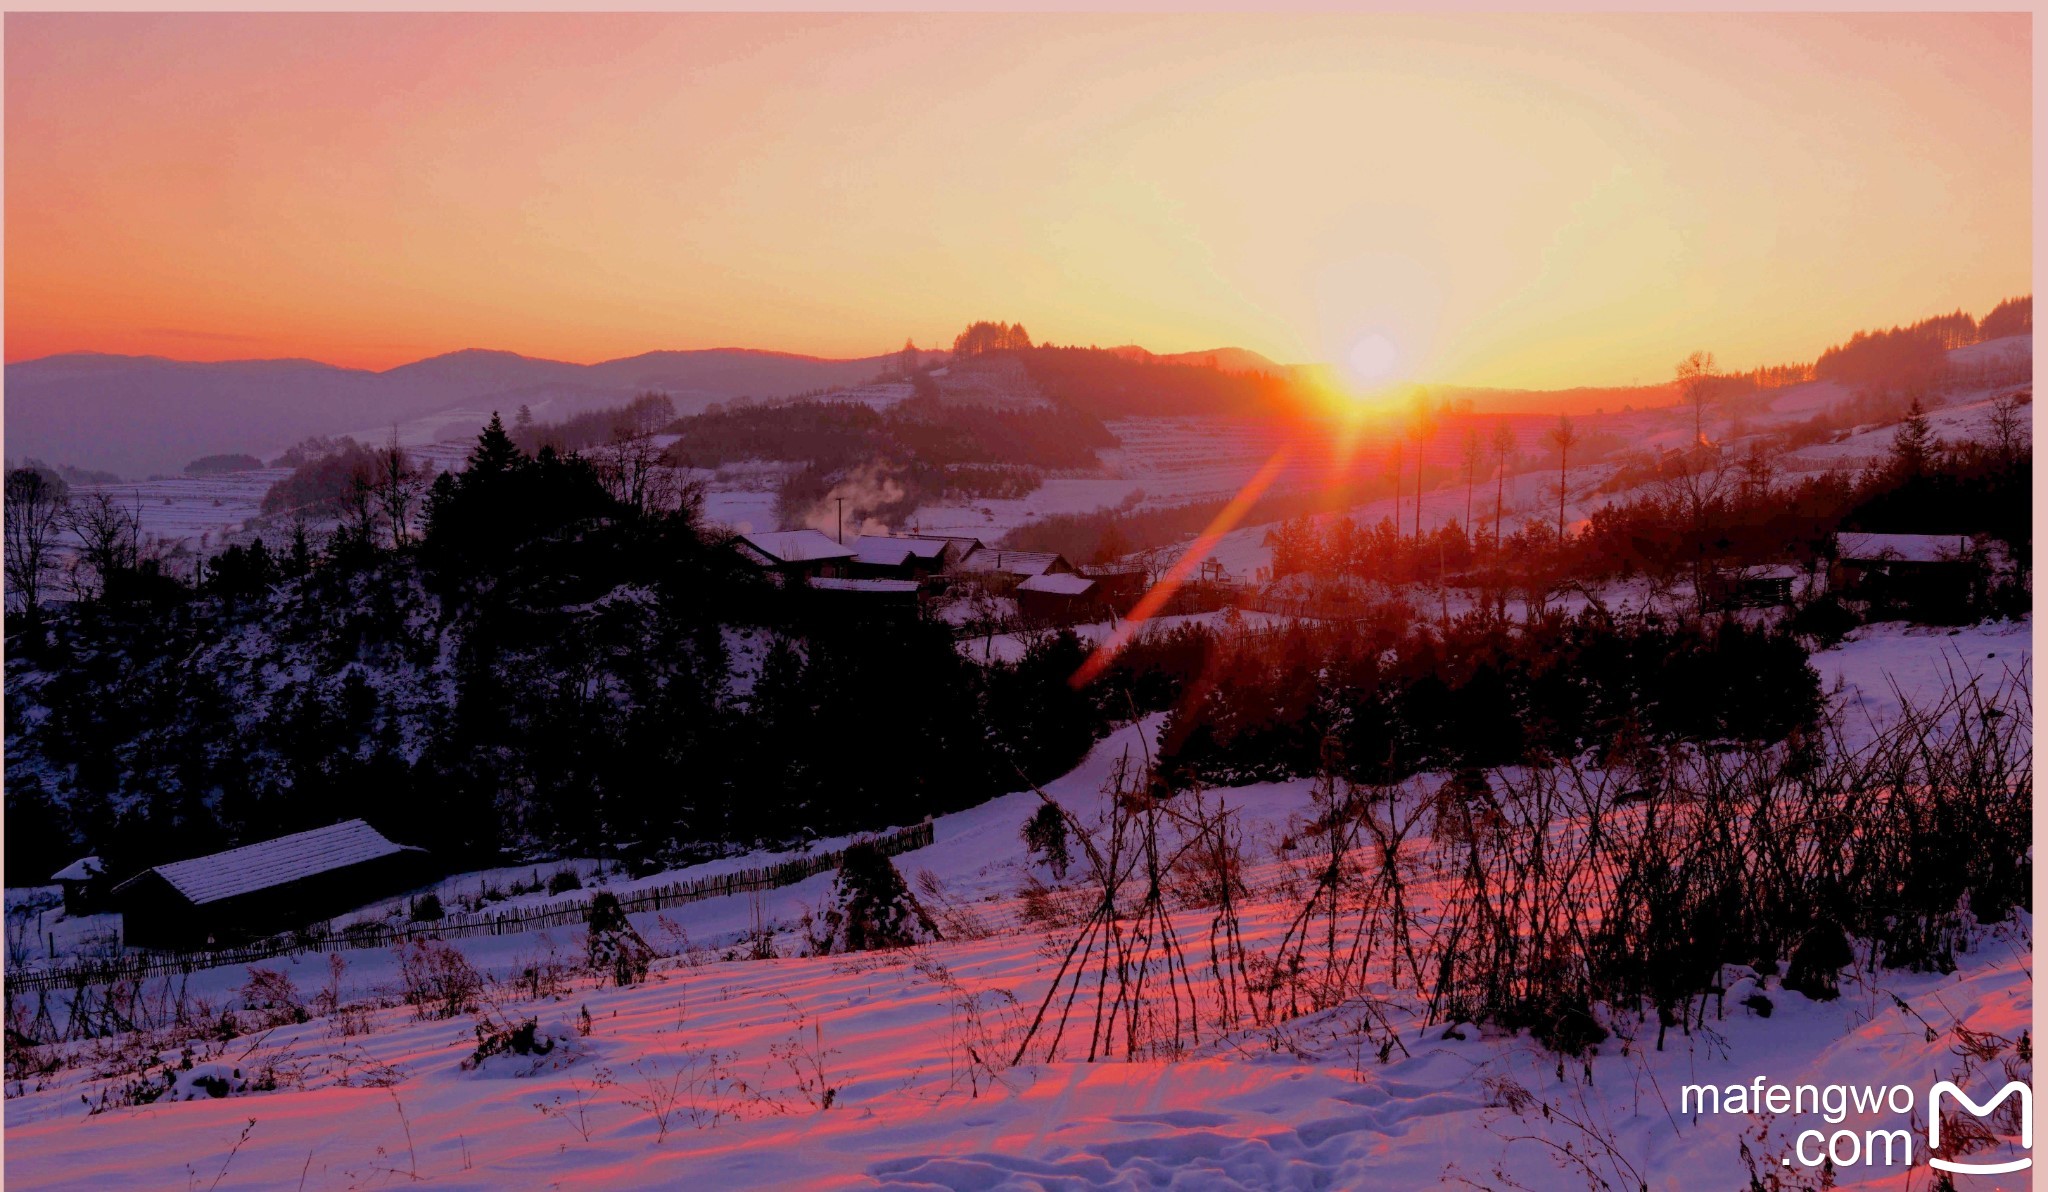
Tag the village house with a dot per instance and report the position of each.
(264, 888)
(881, 556)
(1058, 598)
(787, 554)
(1019, 564)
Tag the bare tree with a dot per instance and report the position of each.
(2008, 427)
(1696, 381)
(633, 467)
(36, 506)
(1421, 426)
(1564, 436)
(1395, 470)
(359, 503)
(1699, 482)
(109, 542)
(1475, 454)
(400, 485)
(1503, 449)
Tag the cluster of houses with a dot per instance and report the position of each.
(895, 571)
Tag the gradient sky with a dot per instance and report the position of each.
(1506, 199)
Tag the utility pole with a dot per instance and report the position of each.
(842, 520)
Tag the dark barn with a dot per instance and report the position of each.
(265, 888)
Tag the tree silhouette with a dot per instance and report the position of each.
(1564, 436)
(1475, 454)
(1913, 444)
(1503, 447)
(36, 505)
(1421, 425)
(1696, 378)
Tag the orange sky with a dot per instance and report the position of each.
(1505, 199)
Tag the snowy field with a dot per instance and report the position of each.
(715, 1072)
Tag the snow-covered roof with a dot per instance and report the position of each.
(82, 870)
(1057, 583)
(865, 585)
(962, 545)
(797, 546)
(880, 552)
(1904, 548)
(887, 551)
(270, 863)
(1015, 562)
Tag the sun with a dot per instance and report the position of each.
(1373, 359)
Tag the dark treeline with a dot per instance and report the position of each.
(833, 435)
(538, 668)
(1384, 696)
(1917, 354)
(645, 414)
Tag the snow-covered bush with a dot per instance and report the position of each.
(1045, 835)
(869, 907)
(523, 1047)
(613, 947)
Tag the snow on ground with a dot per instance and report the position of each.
(1880, 665)
(736, 1055)
(202, 512)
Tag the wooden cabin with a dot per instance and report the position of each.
(264, 888)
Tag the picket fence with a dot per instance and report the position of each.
(139, 965)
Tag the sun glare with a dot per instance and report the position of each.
(1373, 359)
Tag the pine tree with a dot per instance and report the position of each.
(1913, 444)
(495, 454)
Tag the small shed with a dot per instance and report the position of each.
(1059, 598)
(1752, 587)
(786, 553)
(85, 886)
(264, 888)
(1923, 571)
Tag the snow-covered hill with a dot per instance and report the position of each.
(892, 1069)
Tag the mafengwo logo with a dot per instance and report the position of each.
(1959, 1167)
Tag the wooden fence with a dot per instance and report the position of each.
(138, 965)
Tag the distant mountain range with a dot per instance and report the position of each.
(141, 415)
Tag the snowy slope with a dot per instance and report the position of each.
(737, 1054)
